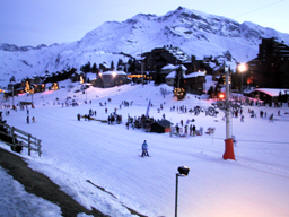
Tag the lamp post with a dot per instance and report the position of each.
(114, 74)
(182, 171)
(141, 66)
(12, 82)
(13, 92)
(229, 141)
(242, 68)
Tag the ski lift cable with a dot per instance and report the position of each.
(260, 8)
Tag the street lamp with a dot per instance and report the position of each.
(242, 68)
(229, 141)
(182, 171)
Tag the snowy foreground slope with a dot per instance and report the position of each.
(256, 184)
(15, 201)
(193, 31)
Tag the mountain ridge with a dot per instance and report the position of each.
(195, 32)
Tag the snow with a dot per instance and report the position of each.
(169, 67)
(171, 74)
(273, 91)
(111, 72)
(191, 75)
(15, 201)
(256, 184)
(195, 74)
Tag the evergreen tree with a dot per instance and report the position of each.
(94, 68)
(119, 64)
(12, 79)
(101, 66)
(280, 97)
(112, 65)
(86, 67)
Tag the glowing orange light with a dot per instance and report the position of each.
(250, 80)
(242, 67)
(222, 95)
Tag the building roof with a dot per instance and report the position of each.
(195, 74)
(192, 75)
(169, 67)
(272, 91)
(172, 74)
(110, 73)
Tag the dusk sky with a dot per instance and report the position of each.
(32, 22)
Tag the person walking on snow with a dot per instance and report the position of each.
(144, 149)
(194, 130)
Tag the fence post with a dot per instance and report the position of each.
(13, 136)
(39, 147)
(29, 137)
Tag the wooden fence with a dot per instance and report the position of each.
(19, 139)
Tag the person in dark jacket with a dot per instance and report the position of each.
(194, 130)
(144, 149)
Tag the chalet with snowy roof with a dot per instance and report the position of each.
(38, 88)
(170, 73)
(193, 82)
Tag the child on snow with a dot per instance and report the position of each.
(144, 149)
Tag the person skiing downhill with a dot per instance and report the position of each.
(144, 149)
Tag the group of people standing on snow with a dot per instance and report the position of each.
(27, 117)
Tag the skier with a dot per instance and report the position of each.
(191, 130)
(177, 129)
(271, 117)
(144, 149)
(242, 118)
(194, 130)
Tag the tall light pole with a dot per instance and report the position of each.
(229, 141)
(182, 171)
(13, 92)
(141, 67)
(242, 68)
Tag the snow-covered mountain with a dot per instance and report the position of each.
(193, 31)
